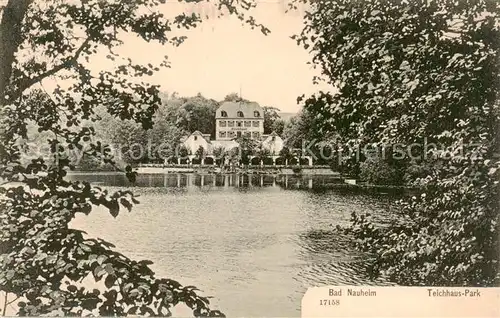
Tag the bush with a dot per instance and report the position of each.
(377, 171)
(416, 171)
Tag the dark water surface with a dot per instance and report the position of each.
(254, 243)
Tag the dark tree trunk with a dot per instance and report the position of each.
(10, 38)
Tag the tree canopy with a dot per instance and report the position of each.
(42, 259)
(405, 71)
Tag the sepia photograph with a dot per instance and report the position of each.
(194, 158)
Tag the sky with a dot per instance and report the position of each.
(222, 56)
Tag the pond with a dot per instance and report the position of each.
(254, 243)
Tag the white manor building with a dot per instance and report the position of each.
(232, 121)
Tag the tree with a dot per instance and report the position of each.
(183, 151)
(192, 115)
(378, 171)
(306, 131)
(247, 147)
(200, 153)
(219, 154)
(285, 153)
(42, 258)
(262, 153)
(270, 117)
(303, 127)
(235, 97)
(278, 126)
(406, 71)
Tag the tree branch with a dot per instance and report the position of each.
(30, 82)
(10, 37)
(6, 298)
(13, 300)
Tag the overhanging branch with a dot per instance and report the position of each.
(10, 36)
(68, 63)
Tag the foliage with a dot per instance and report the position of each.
(193, 113)
(261, 153)
(234, 97)
(378, 171)
(42, 259)
(220, 155)
(285, 153)
(409, 71)
(305, 127)
(219, 151)
(270, 118)
(247, 147)
(278, 126)
(200, 153)
(234, 156)
(183, 151)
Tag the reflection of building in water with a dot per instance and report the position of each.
(227, 180)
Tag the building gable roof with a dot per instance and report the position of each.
(269, 137)
(197, 133)
(232, 109)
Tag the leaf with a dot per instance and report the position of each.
(86, 209)
(90, 304)
(126, 204)
(146, 262)
(101, 259)
(110, 281)
(99, 272)
(85, 248)
(132, 310)
(127, 287)
(114, 208)
(109, 269)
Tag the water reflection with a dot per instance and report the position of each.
(211, 180)
(254, 242)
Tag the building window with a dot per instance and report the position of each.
(256, 123)
(273, 138)
(222, 123)
(230, 123)
(248, 123)
(222, 134)
(239, 124)
(195, 138)
(223, 113)
(231, 134)
(239, 114)
(255, 134)
(247, 134)
(256, 114)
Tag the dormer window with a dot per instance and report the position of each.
(256, 114)
(239, 114)
(223, 113)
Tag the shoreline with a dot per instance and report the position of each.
(340, 183)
